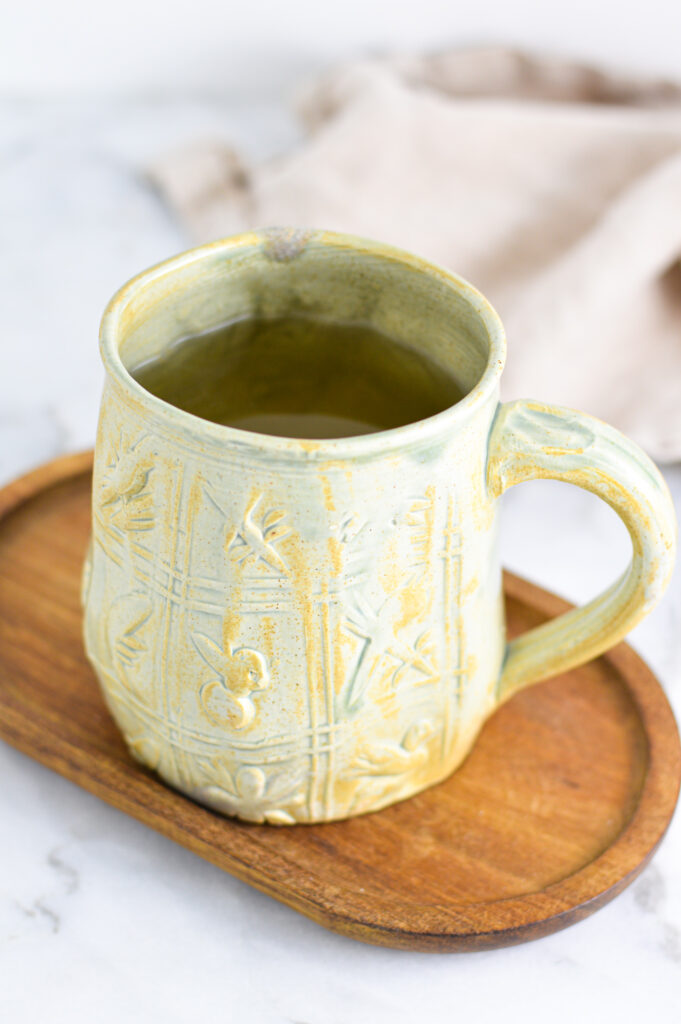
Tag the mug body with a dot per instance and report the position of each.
(288, 630)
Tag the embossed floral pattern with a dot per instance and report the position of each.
(256, 796)
(265, 660)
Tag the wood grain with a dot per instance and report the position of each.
(566, 795)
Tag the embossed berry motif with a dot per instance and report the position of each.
(241, 673)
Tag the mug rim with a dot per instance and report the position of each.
(417, 432)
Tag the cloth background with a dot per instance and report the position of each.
(554, 187)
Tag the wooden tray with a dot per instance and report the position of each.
(562, 802)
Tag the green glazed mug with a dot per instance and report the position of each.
(300, 631)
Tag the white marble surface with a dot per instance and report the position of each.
(101, 919)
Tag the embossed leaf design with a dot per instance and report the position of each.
(128, 628)
(414, 660)
(384, 768)
(373, 628)
(389, 758)
(241, 673)
(127, 617)
(405, 660)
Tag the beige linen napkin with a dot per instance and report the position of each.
(554, 188)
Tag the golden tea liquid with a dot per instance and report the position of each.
(299, 377)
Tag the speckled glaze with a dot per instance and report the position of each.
(297, 631)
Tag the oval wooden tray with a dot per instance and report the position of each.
(562, 802)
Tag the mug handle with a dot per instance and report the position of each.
(531, 441)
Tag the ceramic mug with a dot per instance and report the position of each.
(299, 631)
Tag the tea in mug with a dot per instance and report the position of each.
(295, 376)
